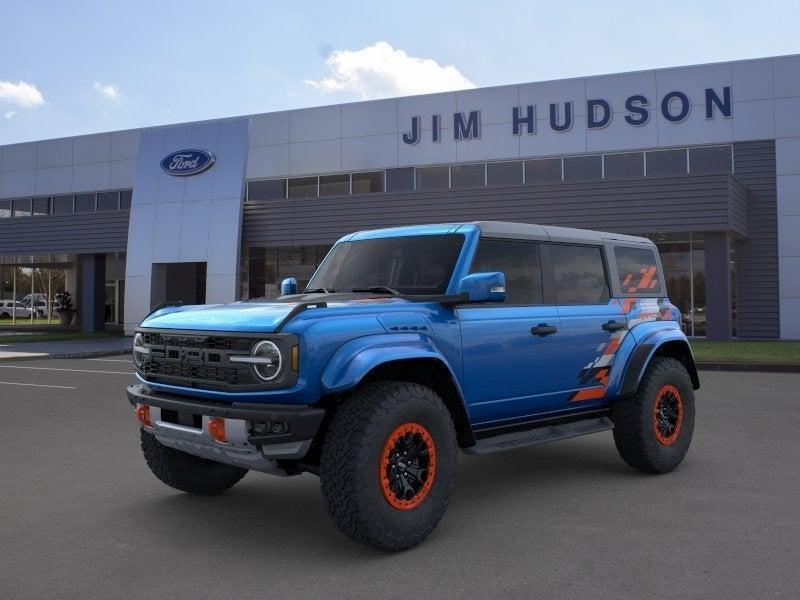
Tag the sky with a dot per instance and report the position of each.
(76, 67)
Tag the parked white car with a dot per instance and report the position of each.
(11, 308)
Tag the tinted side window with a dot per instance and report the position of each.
(519, 261)
(579, 274)
(637, 270)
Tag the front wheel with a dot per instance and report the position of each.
(653, 429)
(388, 464)
(186, 472)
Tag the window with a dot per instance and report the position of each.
(22, 207)
(271, 189)
(543, 171)
(400, 180)
(5, 209)
(368, 183)
(418, 265)
(578, 168)
(433, 178)
(468, 175)
(637, 270)
(303, 187)
(108, 201)
(519, 262)
(579, 274)
(41, 206)
(666, 162)
(504, 173)
(62, 205)
(713, 159)
(334, 185)
(125, 199)
(84, 202)
(617, 166)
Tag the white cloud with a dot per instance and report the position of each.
(109, 91)
(10, 114)
(21, 93)
(380, 71)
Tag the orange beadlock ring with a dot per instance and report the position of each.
(667, 394)
(404, 437)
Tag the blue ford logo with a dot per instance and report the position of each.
(187, 162)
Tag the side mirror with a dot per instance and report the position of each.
(289, 286)
(484, 287)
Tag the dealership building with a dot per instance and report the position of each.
(704, 160)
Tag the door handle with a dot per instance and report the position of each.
(543, 329)
(614, 326)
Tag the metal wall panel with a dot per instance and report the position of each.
(757, 257)
(75, 233)
(636, 206)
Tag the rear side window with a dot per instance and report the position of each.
(519, 262)
(580, 276)
(638, 270)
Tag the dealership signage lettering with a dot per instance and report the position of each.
(674, 107)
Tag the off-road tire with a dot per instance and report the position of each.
(186, 472)
(636, 434)
(351, 468)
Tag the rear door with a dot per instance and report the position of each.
(511, 351)
(592, 324)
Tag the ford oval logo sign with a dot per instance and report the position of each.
(187, 162)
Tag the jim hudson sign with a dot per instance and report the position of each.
(674, 106)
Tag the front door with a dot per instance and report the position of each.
(592, 324)
(512, 351)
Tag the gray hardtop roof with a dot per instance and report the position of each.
(551, 233)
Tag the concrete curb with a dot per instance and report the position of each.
(86, 354)
(759, 367)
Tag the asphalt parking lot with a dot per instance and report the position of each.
(82, 517)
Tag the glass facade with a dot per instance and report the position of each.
(263, 268)
(684, 261)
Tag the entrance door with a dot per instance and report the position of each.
(512, 351)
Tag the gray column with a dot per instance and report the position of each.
(718, 286)
(93, 296)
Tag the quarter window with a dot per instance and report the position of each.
(519, 262)
(580, 277)
(637, 270)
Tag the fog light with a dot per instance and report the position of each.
(143, 415)
(216, 429)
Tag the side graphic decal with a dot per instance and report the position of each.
(636, 310)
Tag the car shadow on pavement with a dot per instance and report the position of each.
(287, 517)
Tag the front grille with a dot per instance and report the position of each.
(196, 360)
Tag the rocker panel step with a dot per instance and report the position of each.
(540, 435)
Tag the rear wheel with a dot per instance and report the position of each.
(186, 472)
(388, 464)
(653, 430)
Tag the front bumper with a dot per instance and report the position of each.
(182, 423)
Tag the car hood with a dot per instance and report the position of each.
(248, 316)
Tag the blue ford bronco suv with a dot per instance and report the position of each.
(407, 345)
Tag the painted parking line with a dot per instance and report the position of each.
(60, 387)
(70, 370)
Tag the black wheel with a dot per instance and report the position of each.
(186, 472)
(388, 464)
(5, 315)
(653, 429)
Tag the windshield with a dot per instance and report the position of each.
(407, 265)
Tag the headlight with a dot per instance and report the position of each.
(139, 349)
(265, 358)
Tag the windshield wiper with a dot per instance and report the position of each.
(319, 291)
(377, 288)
